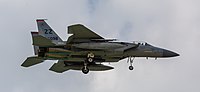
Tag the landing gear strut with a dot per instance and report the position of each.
(90, 59)
(130, 59)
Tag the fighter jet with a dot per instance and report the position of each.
(85, 50)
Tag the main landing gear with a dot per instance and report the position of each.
(90, 59)
(130, 59)
(85, 69)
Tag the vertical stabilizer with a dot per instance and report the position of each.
(46, 31)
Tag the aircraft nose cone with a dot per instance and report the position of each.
(167, 53)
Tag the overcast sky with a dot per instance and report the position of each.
(170, 24)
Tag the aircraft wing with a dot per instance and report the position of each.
(81, 34)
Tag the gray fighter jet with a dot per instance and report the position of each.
(85, 50)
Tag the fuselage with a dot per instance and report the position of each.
(108, 51)
(126, 49)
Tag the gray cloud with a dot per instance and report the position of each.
(172, 24)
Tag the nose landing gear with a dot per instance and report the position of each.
(130, 59)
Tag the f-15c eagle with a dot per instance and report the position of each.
(85, 50)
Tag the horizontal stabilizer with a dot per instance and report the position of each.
(59, 67)
(30, 61)
(42, 41)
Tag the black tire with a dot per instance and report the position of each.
(131, 67)
(85, 70)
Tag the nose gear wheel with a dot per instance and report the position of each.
(131, 67)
